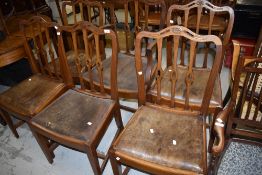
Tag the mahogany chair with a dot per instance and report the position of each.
(245, 117)
(127, 80)
(80, 117)
(127, 6)
(28, 98)
(206, 13)
(202, 17)
(82, 10)
(237, 52)
(149, 13)
(169, 139)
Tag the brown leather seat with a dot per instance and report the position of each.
(70, 114)
(126, 69)
(197, 88)
(148, 137)
(28, 98)
(219, 22)
(72, 65)
(71, 62)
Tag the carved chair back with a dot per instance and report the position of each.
(246, 118)
(87, 31)
(202, 16)
(178, 74)
(42, 47)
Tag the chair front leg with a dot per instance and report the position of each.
(116, 166)
(93, 159)
(7, 119)
(43, 143)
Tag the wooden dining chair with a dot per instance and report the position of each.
(82, 10)
(169, 139)
(205, 14)
(150, 13)
(80, 117)
(202, 17)
(127, 80)
(239, 51)
(245, 118)
(29, 97)
(74, 12)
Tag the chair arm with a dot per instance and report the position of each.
(219, 128)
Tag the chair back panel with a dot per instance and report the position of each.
(41, 45)
(247, 94)
(174, 73)
(91, 36)
(83, 10)
(202, 16)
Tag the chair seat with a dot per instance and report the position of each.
(197, 88)
(70, 114)
(31, 95)
(177, 143)
(71, 62)
(126, 75)
(219, 23)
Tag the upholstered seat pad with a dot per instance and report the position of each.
(197, 88)
(157, 147)
(70, 55)
(126, 72)
(31, 95)
(219, 23)
(70, 113)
